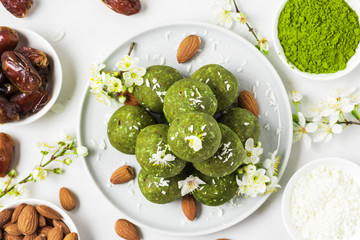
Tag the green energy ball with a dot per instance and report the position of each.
(157, 81)
(217, 190)
(158, 189)
(153, 152)
(228, 157)
(188, 95)
(194, 136)
(243, 123)
(222, 82)
(318, 36)
(125, 125)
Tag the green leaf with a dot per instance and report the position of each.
(355, 112)
(295, 118)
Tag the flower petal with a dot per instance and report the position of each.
(301, 119)
(311, 127)
(307, 141)
(337, 129)
(249, 144)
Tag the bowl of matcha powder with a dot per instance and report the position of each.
(318, 39)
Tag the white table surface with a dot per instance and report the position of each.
(91, 32)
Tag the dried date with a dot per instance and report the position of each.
(7, 153)
(18, 8)
(8, 89)
(8, 39)
(8, 111)
(37, 58)
(30, 103)
(126, 7)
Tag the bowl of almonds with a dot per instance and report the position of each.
(34, 219)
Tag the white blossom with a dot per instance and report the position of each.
(44, 147)
(253, 184)
(64, 137)
(250, 168)
(263, 44)
(39, 173)
(270, 164)
(252, 152)
(190, 184)
(134, 76)
(326, 130)
(127, 63)
(161, 158)
(302, 129)
(295, 96)
(82, 151)
(194, 142)
(274, 184)
(223, 14)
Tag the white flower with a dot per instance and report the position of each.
(295, 96)
(82, 151)
(44, 147)
(4, 182)
(274, 184)
(239, 17)
(20, 189)
(161, 158)
(252, 153)
(271, 164)
(39, 173)
(223, 14)
(254, 183)
(315, 112)
(127, 63)
(113, 84)
(64, 137)
(326, 130)
(343, 102)
(134, 76)
(96, 78)
(189, 185)
(194, 142)
(250, 168)
(301, 131)
(263, 44)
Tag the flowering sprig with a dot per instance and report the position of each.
(325, 118)
(65, 148)
(110, 86)
(254, 177)
(225, 16)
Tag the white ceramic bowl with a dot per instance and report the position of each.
(351, 64)
(67, 220)
(345, 165)
(32, 39)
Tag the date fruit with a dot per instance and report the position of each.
(7, 153)
(8, 39)
(18, 8)
(126, 7)
(30, 103)
(19, 70)
(8, 111)
(7, 89)
(37, 58)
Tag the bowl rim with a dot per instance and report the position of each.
(337, 162)
(354, 60)
(57, 75)
(66, 218)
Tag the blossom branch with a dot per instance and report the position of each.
(247, 24)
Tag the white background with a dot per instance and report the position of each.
(91, 32)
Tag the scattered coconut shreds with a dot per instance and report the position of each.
(107, 118)
(205, 32)
(278, 131)
(57, 108)
(220, 212)
(214, 47)
(188, 68)
(266, 114)
(156, 57)
(239, 69)
(167, 35)
(162, 60)
(98, 158)
(257, 84)
(130, 193)
(267, 127)
(147, 57)
(109, 184)
(102, 145)
(57, 35)
(93, 142)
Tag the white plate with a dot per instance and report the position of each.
(69, 222)
(350, 65)
(345, 165)
(218, 44)
(29, 38)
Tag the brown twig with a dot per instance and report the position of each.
(132, 45)
(249, 27)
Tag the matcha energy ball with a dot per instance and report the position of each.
(194, 136)
(243, 123)
(157, 81)
(125, 125)
(154, 154)
(188, 95)
(217, 190)
(222, 82)
(228, 157)
(158, 189)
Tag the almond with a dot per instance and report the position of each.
(189, 207)
(40, 237)
(45, 230)
(28, 220)
(130, 98)
(71, 236)
(5, 216)
(13, 229)
(42, 221)
(30, 237)
(187, 48)
(247, 101)
(62, 225)
(55, 234)
(11, 237)
(17, 212)
(48, 212)
(126, 230)
(122, 175)
(67, 199)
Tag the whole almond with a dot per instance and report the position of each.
(5, 216)
(30, 237)
(45, 230)
(67, 199)
(13, 229)
(62, 225)
(48, 212)
(126, 230)
(122, 175)
(55, 234)
(189, 207)
(40, 237)
(17, 212)
(42, 221)
(71, 236)
(247, 101)
(188, 48)
(28, 220)
(11, 237)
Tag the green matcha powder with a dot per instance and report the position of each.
(318, 36)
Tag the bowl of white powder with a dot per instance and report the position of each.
(322, 201)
